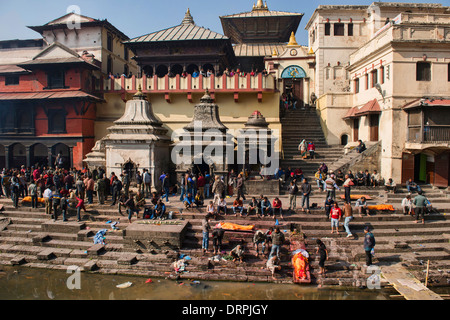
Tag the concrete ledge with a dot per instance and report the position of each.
(63, 227)
(17, 261)
(127, 260)
(46, 254)
(96, 250)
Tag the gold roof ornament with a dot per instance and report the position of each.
(292, 40)
(275, 52)
(260, 6)
(311, 51)
(188, 18)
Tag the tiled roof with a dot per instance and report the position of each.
(258, 49)
(370, 107)
(427, 102)
(66, 94)
(179, 33)
(262, 13)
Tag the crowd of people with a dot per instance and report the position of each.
(58, 190)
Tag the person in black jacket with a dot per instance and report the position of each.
(306, 191)
(369, 244)
(292, 190)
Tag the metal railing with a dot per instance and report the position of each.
(431, 134)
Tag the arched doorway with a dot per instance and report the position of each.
(208, 67)
(191, 68)
(39, 155)
(344, 140)
(131, 169)
(148, 71)
(162, 71)
(18, 156)
(2, 157)
(64, 151)
(293, 78)
(176, 69)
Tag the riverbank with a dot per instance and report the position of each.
(25, 241)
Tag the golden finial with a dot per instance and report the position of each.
(275, 52)
(292, 40)
(311, 51)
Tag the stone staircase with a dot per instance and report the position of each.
(30, 238)
(305, 124)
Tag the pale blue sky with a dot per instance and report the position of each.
(139, 17)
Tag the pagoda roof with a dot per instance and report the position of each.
(187, 30)
(261, 25)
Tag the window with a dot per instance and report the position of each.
(423, 71)
(327, 29)
(356, 83)
(338, 29)
(381, 75)
(12, 80)
(350, 29)
(109, 68)
(374, 75)
(125, 54)
(55, 79)
(56, 121)
(448, 72)
(367, 81)
(110, 42)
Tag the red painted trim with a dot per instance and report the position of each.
(144, 82)
(133, 82)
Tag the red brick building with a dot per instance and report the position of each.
(47, 107)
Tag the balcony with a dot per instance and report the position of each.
(428, 137)
(188, 85)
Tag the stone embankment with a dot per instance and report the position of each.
(31, 239)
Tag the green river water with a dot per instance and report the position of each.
(19, 283)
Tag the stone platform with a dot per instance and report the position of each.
(155, 235)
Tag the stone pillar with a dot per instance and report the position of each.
(49, 153)
(7, 160)
(28, 154)
(70, 157)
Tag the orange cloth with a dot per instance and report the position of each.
(381, 207)
(28, 199)
(357, 196)
(233, 226)
(299, 262)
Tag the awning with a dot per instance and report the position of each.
(370, 107)
(427, 102)
(351, 114)
(7, 69)
(48, 95)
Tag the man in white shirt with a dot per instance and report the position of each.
(361, 205)
(48, 201)
(407, 205)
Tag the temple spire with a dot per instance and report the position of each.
(188, 18)
(292, 40)
(260, 6)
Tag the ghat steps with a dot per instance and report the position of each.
(24, 242)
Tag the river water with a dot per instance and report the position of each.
(19, 283)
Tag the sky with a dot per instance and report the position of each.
(139, 17)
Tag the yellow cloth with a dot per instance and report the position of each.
(233, 226)
(28, 199)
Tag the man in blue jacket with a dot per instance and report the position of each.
(369, 244)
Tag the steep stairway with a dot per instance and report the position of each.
(305, 124)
